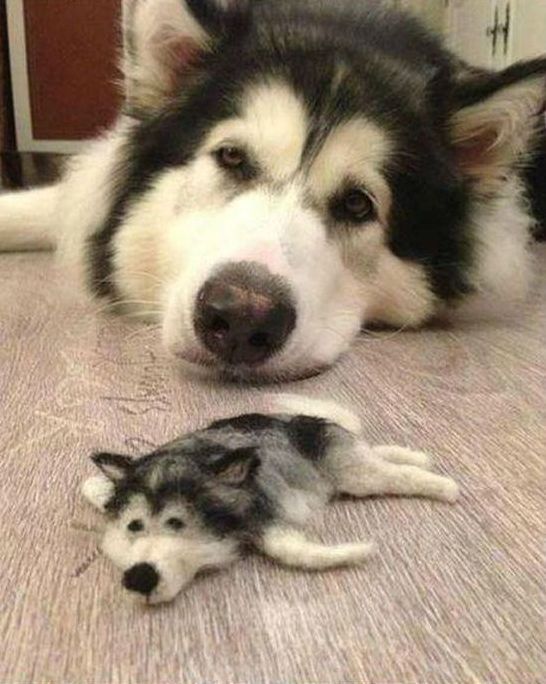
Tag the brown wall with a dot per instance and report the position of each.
(7, 137)
(72, 53)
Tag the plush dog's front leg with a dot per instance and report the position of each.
(290, 547)
(98, 490)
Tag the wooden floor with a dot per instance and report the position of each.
(456, 594)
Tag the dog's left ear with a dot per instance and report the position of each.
(495, 118)
(115, 466)
(237, 466)
(164, 41)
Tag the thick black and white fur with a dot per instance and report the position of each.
(246, 483)
(335, 146)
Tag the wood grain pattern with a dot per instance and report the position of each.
(456, 595)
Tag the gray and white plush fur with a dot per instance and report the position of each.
(246, 483)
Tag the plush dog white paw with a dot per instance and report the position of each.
(449, 490)
(356, 553)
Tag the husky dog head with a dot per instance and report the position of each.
(176, 512)
(299, 170)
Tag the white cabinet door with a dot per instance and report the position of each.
(432, 12)
(528, 29)
(495, 33)
(469, 25)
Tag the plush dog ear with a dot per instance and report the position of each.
(164, 41)
(496, 118)
(237, 466)
(114, 466)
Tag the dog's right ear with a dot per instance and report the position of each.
(496, 119)
(115, 466)
(164, 41)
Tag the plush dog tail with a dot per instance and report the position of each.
(28, 220)
(319, 408)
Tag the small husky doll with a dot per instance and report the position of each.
(249, 482)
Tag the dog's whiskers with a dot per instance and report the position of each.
(147, 275)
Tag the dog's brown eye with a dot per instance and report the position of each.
(135, 526)
(231, 157)
(358, 205)
(175, 523)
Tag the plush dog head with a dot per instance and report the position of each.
(176, 512)
(299, 170)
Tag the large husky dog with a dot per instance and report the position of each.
(287, 171)
(249, 482)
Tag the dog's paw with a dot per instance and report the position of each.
(98, 490)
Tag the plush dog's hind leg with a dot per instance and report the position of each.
(28, 219)
(403, 456)
(98, 490)
(369, 471)
(290, 547)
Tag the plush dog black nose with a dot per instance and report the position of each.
(244, 314)
(142, 578)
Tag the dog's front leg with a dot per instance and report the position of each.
(291, 547)
(29, 219)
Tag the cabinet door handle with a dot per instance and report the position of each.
(493, 32)
(506, 28)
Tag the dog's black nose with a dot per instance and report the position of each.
(142, 578)
(244, 314)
